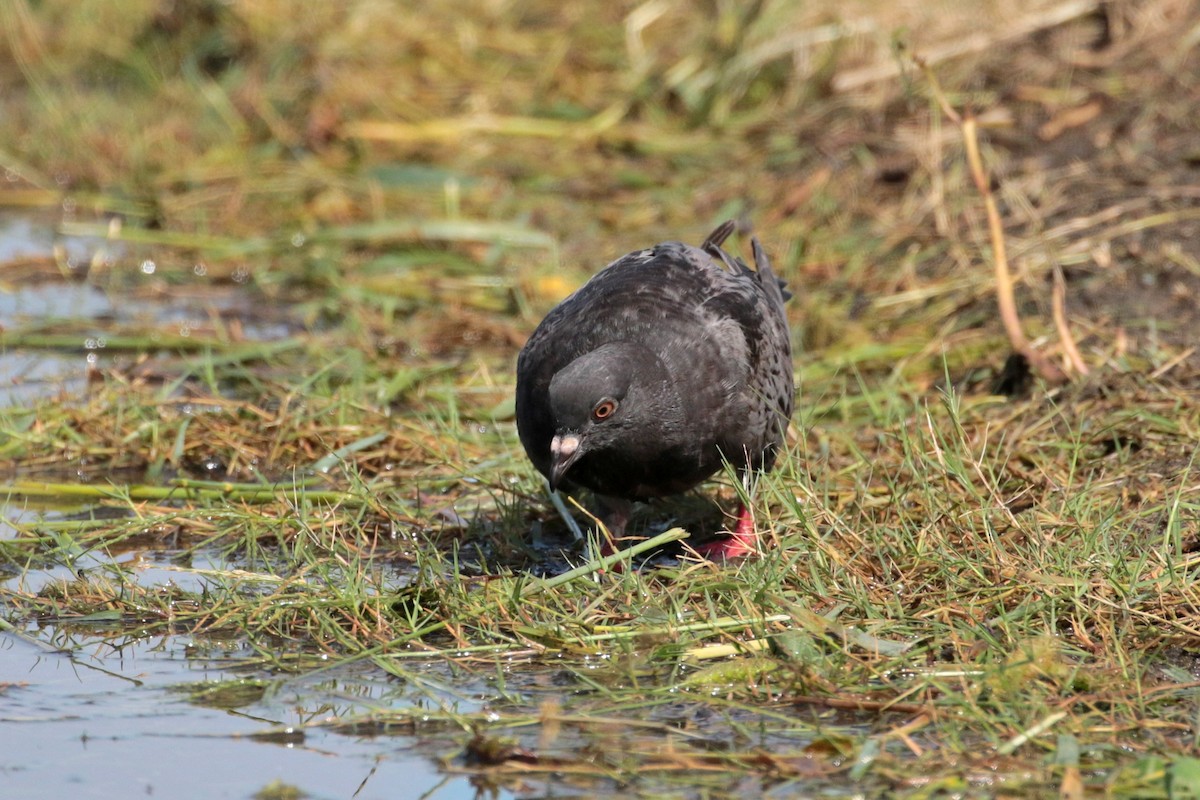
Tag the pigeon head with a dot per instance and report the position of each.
(605, 402)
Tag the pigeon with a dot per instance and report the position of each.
(668, 363)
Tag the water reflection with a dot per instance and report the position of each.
(27, 375)
(115, 718)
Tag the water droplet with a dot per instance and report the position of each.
(149, 267)
(200, 270)
(298, 240)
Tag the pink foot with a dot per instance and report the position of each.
(743, 541)
(606, 549)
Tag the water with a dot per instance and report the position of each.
(107, 721)
(23, 375)
(93, 716)
(26, 375)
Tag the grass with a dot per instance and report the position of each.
(965, 593)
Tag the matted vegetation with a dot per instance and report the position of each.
(978, 582)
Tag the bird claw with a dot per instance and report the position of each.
(742, 542)
(729, 547)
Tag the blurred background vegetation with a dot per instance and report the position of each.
(484, 128)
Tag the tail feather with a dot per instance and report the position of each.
(712, 246)
(717, 238)
(763, 265)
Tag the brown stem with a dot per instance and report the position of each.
(1005, 296)
(1060, 322)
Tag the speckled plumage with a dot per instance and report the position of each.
(692, 348)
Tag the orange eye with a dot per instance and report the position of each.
(604, 409)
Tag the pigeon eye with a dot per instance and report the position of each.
(604, 409)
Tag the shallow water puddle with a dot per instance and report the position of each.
(28, 375)
(92, 712)
(97, 711)
(98, 716)
(109, 720)
(68, 300)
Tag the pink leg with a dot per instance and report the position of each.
(743, 541)
(615, 514)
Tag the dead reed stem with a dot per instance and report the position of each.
(1005, 293)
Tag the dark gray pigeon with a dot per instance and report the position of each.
(665, 363)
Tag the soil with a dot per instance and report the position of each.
(1099, 172)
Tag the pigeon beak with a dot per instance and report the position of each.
(565, 450)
